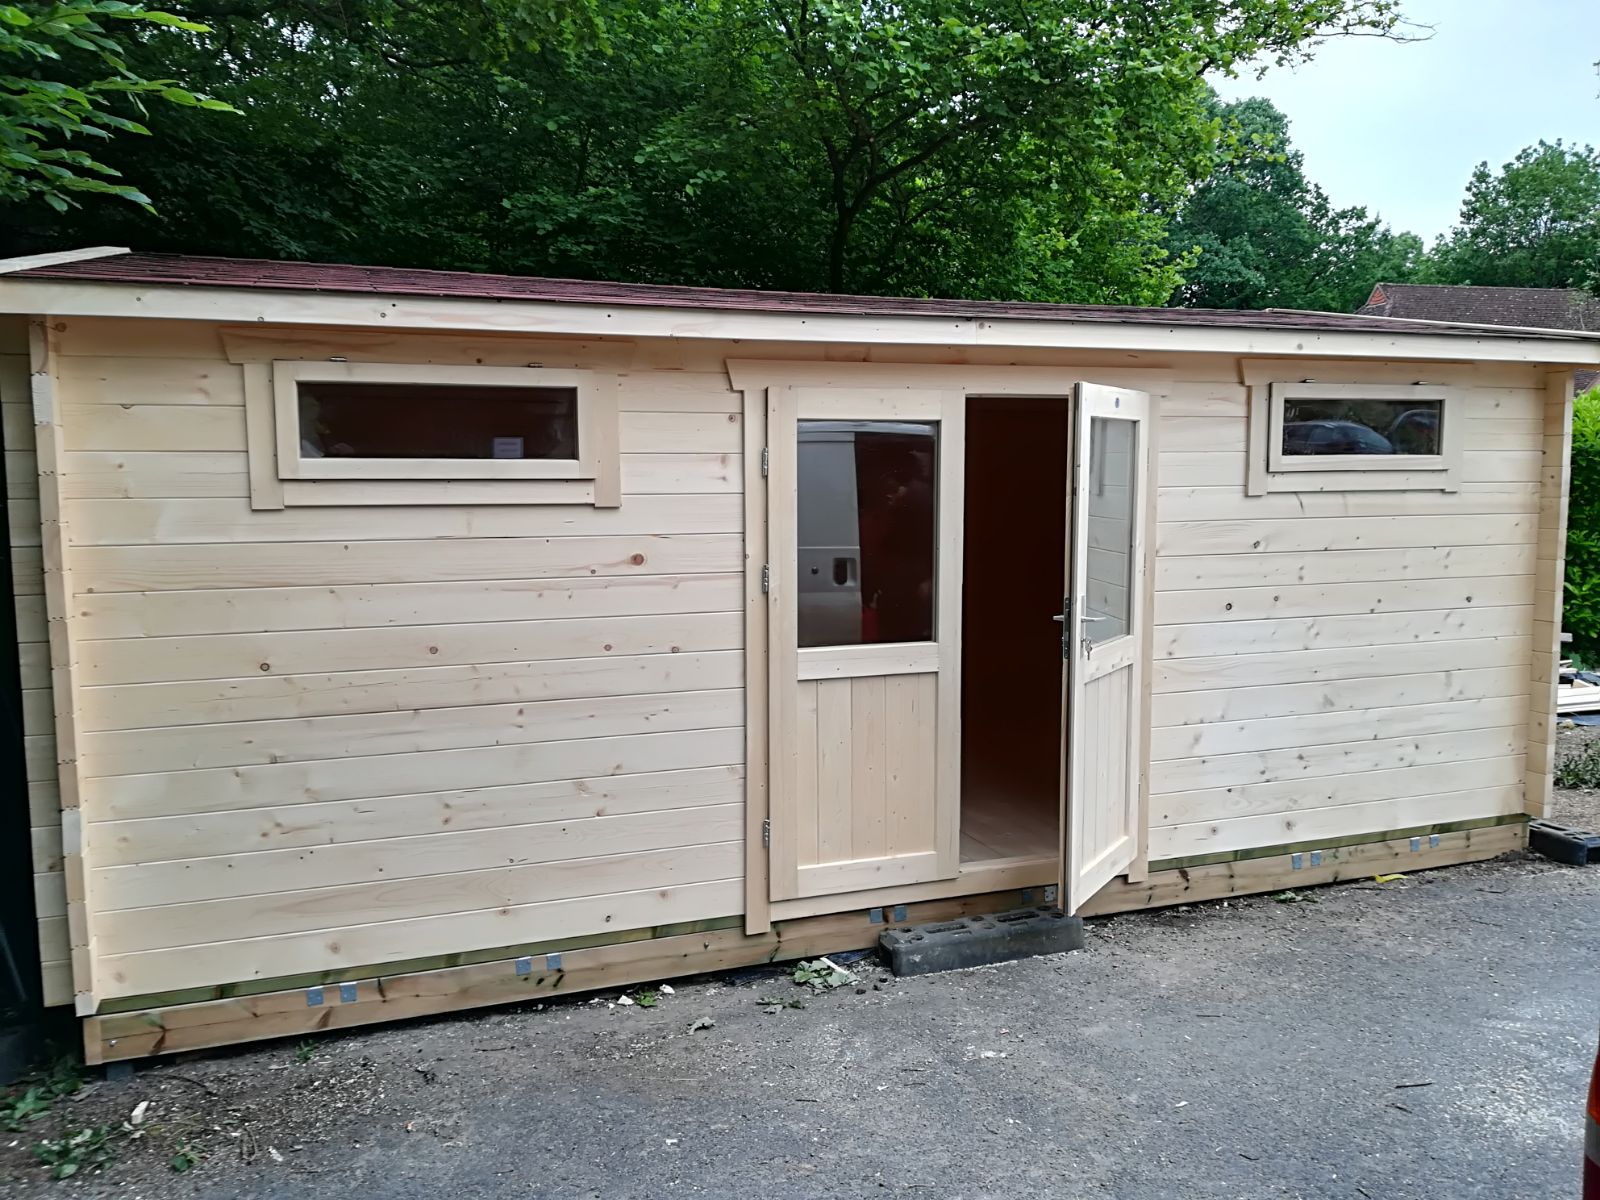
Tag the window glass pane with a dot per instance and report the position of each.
(867, 524)
(408, 420)
(1113, 461)
(1361, 426)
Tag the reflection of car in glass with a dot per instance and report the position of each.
(1333, 437)
(859, 481)
(1415, 431)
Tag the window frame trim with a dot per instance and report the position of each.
(1270, 470)
(288, 374)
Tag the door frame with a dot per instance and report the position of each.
(752, 378)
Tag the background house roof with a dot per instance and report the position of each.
(1529, 308)
(1526, 308)
(258, 274)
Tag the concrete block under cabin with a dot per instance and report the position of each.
(979, 941)
(417, 640)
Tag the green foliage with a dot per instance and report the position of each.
(1264, 236)
(1534, 224)
(1581, 770)
(183, 1159)
(1008, 148)
(62, 74)
(82, 1149)
(305, 1051)
(42, 1090)
(1580, 615)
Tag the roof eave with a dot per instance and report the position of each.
(93, 298)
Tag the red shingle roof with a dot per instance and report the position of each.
(1529, 308)
(261, 274)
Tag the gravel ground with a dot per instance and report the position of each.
(1427, 1038)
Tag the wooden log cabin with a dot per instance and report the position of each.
(398, 641)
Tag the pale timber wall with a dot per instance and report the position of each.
(1343, 663)
(321, 737)
(27, 566)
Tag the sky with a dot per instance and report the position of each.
(1398, 128)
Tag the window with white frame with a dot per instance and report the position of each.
(1315, 436)
(364, 432)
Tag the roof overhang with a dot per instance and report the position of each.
(79, 298)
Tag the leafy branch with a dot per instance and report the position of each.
(41, 113)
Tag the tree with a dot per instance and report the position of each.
(1264, 236)
(1002, 148)
(1534, 224)
(66, 72)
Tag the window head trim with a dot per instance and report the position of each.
(287, 375)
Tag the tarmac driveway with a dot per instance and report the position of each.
(1424, 1038)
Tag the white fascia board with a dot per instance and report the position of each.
(61, 298)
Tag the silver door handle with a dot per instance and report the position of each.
(1059, 617)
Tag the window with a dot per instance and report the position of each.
(1355, 437)
(1113, 462)
(428, 420)
(1351, 426)
(364, 433)
(867, 531)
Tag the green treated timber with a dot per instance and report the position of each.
(254, 987)
(1355, 839)
(410, 966)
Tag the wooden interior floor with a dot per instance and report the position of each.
(995, 824)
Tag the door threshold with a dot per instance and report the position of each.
(975, 877)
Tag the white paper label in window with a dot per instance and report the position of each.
(507, 447)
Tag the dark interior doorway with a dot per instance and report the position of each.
(1013, 582)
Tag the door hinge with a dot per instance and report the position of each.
(766, 832)
(766, 461)
(766, 578)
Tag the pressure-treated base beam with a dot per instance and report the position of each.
(294, 1013)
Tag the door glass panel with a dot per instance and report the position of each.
(867, 508)
(1112, 463)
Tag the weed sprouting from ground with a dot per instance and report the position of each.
(39, 1093)
(1581, 770)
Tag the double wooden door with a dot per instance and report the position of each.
(865, 528)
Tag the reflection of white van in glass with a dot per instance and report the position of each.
(842, 490)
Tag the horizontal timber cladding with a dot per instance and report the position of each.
(318, 738)
(175, 1023)
(1332, 663)
(364, 731)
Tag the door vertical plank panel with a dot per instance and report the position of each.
(807, 831)
(899, 759)
(869, 835)
(1095, 748)
(834, 766)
